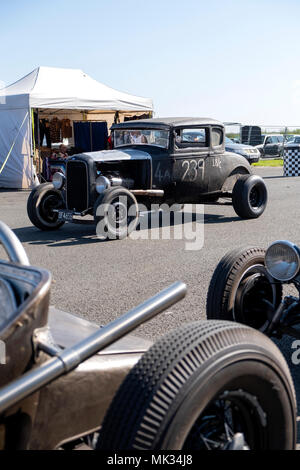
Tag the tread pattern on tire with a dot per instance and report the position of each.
(157, 379)
(223, 279)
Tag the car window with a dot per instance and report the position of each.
(216, 137)
(159, 138)
(191, 137)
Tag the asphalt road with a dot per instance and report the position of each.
(100, 280)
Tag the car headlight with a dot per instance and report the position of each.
(58, 180)
(282, 260)
(102, 183)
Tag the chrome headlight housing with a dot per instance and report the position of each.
(58, 180)
(102, 183)
(282, 260)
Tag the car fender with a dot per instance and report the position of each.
(236, 165)
(75, 404)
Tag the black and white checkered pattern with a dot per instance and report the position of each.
(291, 162)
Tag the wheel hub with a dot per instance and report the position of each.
(255, 297)
(255, 197)
(119, 213)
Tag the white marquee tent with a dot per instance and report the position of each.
(50, 88)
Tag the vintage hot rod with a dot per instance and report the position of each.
(171, 160)
(206, 385)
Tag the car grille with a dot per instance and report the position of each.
(77, 186)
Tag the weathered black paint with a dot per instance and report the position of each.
(186, 172)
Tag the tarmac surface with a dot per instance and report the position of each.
(100, 280)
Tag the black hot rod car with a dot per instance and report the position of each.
(172, 160)
(65, 382)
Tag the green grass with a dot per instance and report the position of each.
(277, 162)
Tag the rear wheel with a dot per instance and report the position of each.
(41, 202)
(242, 290)
(249, 196)
(207, 385)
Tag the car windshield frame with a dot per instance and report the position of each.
(142, 136)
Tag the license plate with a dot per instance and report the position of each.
(65, 215)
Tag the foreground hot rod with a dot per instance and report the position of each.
(171, 160)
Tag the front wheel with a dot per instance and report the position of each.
(41, 202)
(249, 196)
(116, 213)
(205, 386)
(242, 290)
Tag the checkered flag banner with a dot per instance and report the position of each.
(291, 162)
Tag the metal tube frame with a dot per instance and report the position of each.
(12, 245)
(70, 358)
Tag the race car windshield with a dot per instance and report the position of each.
(155, 137)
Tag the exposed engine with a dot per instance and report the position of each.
(113, 178)
(117, 180)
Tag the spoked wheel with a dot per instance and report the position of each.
(209, 385)
(242, 290)
(116, 213)
(227, 423)
(40, 205)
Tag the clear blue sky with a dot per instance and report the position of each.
(228, 59)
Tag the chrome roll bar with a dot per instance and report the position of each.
(12, 245)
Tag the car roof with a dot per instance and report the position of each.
(167, 122)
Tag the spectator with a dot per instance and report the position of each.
(138, 138)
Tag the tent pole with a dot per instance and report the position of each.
(39, 143)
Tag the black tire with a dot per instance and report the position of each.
(107, 210)
(175, 395)
(249, 196)
(242, 290)
(41, 200)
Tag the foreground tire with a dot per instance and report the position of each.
(41, 201)
(207, 385)
(116, 213)
(249, 196)
(242, 290)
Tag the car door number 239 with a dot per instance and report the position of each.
(192, 170)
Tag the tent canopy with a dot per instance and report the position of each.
(57, 88)
(54, 89)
